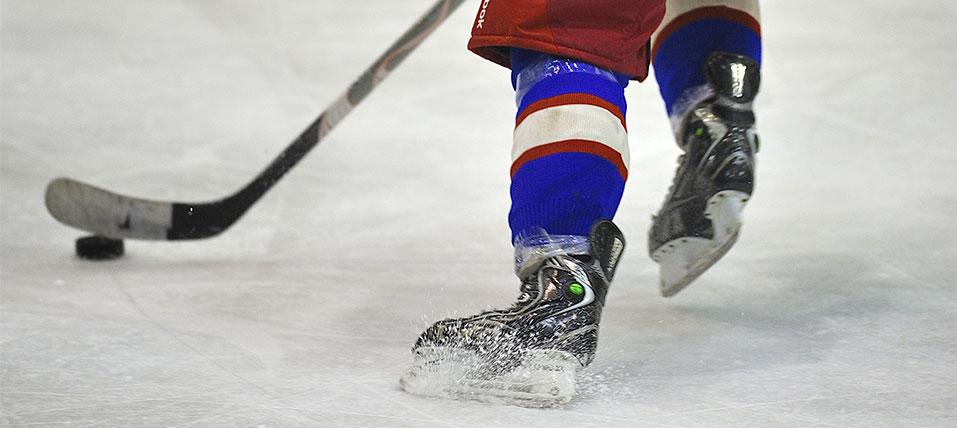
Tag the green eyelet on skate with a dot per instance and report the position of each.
(576, 289)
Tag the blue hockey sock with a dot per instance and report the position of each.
(570, 152)
(690, 35)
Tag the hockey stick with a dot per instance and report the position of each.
(105, 213)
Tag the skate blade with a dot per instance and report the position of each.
(544, 378)
(683, 260)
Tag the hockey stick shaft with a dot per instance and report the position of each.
(357, 92)
(113, 215)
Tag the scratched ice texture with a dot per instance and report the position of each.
(838, 307)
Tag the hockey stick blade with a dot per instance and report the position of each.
(109, 214)
(116, 216)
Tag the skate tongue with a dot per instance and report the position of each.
(607, 245)
(735, 77)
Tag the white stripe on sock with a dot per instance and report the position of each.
(571, 122)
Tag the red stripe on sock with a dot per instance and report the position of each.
(569, 99)
(721, 12)
(572, 146)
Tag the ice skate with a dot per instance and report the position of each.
(701, 217)
(528, 354)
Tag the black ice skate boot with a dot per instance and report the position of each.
(701, 216)
(528, 354)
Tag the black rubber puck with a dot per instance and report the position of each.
(99, 248)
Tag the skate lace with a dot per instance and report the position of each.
(527, 292)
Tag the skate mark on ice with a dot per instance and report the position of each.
(122, 287)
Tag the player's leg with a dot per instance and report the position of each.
(569, 149)
(569, 166)
(706, 56)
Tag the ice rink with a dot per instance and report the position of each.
(837, 308)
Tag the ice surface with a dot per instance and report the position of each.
(838, 307)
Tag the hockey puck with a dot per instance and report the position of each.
(99, 248)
